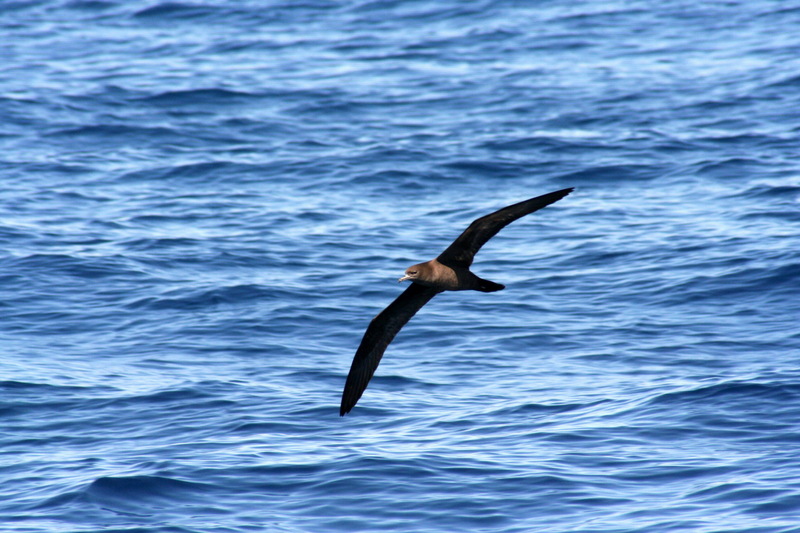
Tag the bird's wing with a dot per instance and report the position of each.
(379, 334)
(462, 251)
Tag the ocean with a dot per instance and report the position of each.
(203, 204)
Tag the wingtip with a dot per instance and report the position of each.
(347, 404)
(558, 195)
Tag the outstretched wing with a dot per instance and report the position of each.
(379, 334)
(463, 250)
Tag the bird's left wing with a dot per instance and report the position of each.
(379, 334)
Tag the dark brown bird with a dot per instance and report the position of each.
(448, 272)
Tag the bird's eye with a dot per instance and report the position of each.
(413, 273)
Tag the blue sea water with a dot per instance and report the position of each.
(203, 204)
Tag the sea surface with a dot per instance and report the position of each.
(203, 204)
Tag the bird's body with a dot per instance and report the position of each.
(440, 276)
(448, 272)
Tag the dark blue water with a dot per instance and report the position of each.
(203, 204)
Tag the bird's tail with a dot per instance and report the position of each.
(489, 286)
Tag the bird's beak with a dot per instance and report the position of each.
(404, 278)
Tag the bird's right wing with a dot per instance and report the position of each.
(463, 250)
(379, 334)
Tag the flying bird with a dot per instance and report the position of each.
(448, 272)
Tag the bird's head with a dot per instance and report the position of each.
(414, 273)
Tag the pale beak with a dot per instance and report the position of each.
(404, 278)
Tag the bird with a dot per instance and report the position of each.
(450, 271)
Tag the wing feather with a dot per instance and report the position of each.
(379, 334)
(462, 251)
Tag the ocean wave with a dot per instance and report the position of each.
(204, 298)
(741, 393)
